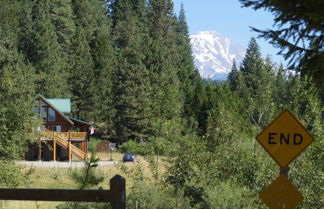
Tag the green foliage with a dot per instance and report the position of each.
(227, 195)
(47, 53)
(136, 148)
(16, 91)
(78, 205)
(87, 177)
(82, 77)
(161, 63)
(256, 85)
(146, 195)
(232, 78)
(298, 34)
(10, 174)
(127, 66)
(132, 84)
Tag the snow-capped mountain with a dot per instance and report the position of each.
(214, 54)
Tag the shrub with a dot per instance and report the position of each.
(227, 195)
(136, 148)
(147, 195)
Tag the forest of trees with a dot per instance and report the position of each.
(128, 68)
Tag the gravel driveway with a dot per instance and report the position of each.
(49, 164)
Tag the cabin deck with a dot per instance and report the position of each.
(60, 145)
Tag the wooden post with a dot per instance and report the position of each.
(54, 148)
(284, 171)
(40, 150)
(70, 151)
(82, 146)
(118, 192)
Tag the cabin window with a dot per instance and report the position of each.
(56, 128)
(51, 114)
(43, 113)
(42, 103)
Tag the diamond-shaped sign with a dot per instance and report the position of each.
(285, 138)
(281, 194)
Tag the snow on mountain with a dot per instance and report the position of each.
(214, 54)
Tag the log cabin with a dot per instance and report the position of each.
(60, 136)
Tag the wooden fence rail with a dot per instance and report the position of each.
(116, 195)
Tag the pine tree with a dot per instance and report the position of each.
(82, 78)
(280, 92)
(187, 73)
(16, 91)
(232, 78)
(104, 61)
(61, 14)
(47, 55)
(256, 85)
(132, 87)
(16, 96)
(299, 34)
(26, 33)
(160, 60)
(91, 79)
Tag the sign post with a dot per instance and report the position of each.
(284, 139)
(112, 146)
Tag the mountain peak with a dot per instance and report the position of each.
(214, 54)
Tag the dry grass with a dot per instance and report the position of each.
(60, 178)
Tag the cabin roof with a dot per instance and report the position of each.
(62, 105)
(80, 121)
(53, 106)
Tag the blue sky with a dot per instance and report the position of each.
(230, 19)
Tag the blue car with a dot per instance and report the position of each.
(129, 157)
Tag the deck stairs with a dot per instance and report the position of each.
(65, 144)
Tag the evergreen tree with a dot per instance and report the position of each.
(299, 34)
(82, 78)
(16, 95)
(160, 60)
(26, 33)
(280, 92)
(132, 85)
(47, 55)
(232, 78)
(256, 85)
(96, 71)
(188, 76)
(104, 67)
(251, 64)
(61, 14)
(199, 102)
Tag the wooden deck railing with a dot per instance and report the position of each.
(65, 135)
(116, 196)
(67, 145)
(78, 135)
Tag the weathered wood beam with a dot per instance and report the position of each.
(116, 195)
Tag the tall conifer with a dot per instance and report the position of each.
(47, 54)
(132, 87)
(161, 60)
(187, 76)
(82, 78)
(232, 78)
(256, 85)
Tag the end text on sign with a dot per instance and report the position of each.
(284, 138)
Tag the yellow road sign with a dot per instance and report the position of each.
(281, 194)
(285, 138)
